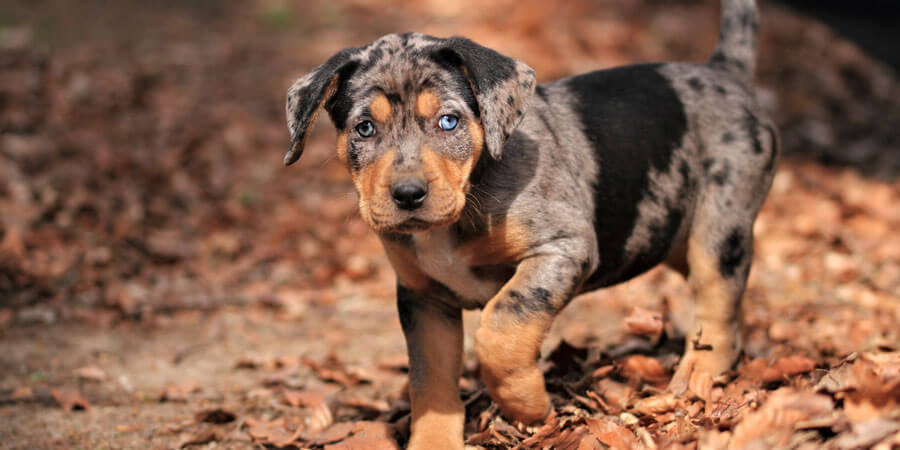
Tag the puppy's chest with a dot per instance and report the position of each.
(443, 260)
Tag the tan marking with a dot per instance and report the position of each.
(404, 262)
(427, 104)
(713, 344)
(373, 183)
(437, 412)
(508, 353)
(505, 242)
(342, 146)
(380, 108)
(477, 132)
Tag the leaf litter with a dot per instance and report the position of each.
(134, 197)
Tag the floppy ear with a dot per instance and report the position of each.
(310, 93)
(502, 87)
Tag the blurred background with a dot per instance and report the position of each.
(141, 182)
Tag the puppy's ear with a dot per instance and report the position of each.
(502, 86)
(310, 93)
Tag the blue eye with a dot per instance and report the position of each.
(448, 122)
(366, 128)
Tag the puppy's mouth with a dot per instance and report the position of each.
(410, 222)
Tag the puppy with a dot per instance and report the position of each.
(490, 192)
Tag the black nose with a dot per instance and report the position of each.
(409, 194)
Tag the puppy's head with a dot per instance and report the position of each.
(414, 114)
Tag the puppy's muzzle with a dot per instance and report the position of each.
(409, 193)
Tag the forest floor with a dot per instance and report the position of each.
(165, 282)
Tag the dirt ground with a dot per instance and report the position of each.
(165, 282)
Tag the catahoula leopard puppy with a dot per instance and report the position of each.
(490, 192)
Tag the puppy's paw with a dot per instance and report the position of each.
(703, 360)
(520, 394)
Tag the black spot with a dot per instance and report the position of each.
(732, 253)
(353, 158)
(696, 84)
(524, 307)
(721, 176)
(394, 98)
(510, 100)
(718, 57)
(626, 151)
(707, 164)
(341, 102)
(720, 90)
(751, 127)
(727, 137)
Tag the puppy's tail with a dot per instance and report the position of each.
(736, 50)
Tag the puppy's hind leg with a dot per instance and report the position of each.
(719, 261)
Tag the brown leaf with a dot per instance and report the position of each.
(179, 392)
(644, 322)
(644, 367)
(69, 400)
(333, 369)
(200, 437)
(90, 373)
(303, 398)
(786, 367)
(611, 433)
(773, 424)
(656, 404)
(271, 432)
(331, 434)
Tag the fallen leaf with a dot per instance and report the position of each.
(645, 368)
(70, 400)
(200, 437)
(611, 433)
(90, 373)
(271, 432)
(179, 392)
(786, 367)
(773, 424)
(656, 404)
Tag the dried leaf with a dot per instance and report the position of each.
(90, 373)
(70, 400)
(271, 432)
(611, 433)
(773, 424)
(179, 392)
(644, 367)
(786, 367)
(200, 437)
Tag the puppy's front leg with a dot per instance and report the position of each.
(434, 334)
(514, 324)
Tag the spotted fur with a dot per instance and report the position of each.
(544, 192)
